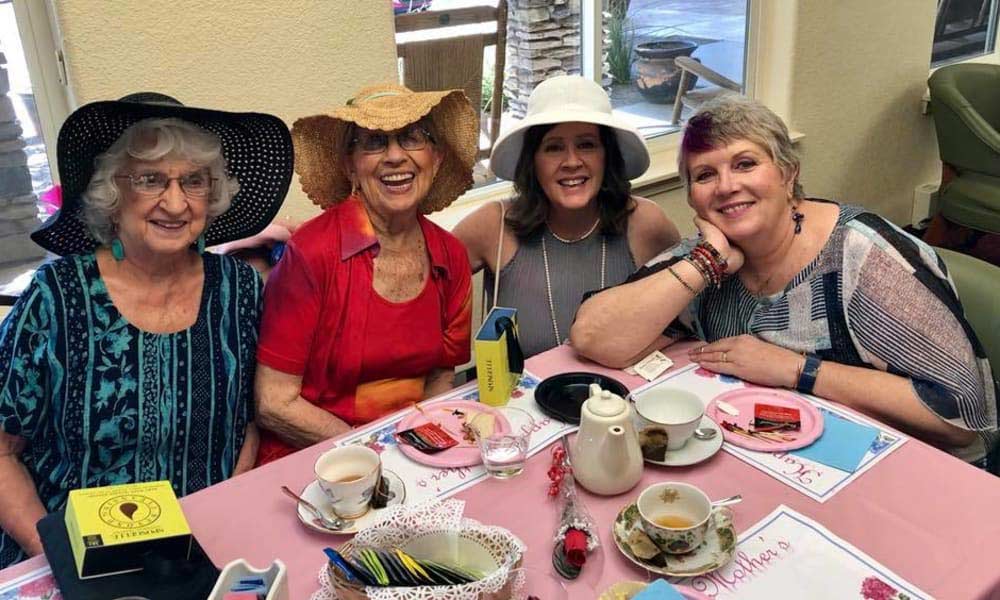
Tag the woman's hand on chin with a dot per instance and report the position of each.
(750, 359)
(714, 236)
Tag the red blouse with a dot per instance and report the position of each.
(359, 355)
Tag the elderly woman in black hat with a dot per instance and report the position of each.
(368, 310)
(131, 358)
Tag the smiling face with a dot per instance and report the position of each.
(569, 165)
(739, 189)
(165, 224)
(394, 181)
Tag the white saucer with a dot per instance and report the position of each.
(715, 552)
(314, 494)
(695, 450)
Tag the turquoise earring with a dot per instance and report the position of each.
(201, 244)
(117, 250)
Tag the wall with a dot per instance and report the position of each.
(291, 59)
(858, 74)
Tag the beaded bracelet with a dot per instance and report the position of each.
(704, 261)
(715, 255)
(700, 269)
(714, 260)
(684, 283)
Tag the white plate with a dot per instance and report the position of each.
(695, 450)
(313, 494)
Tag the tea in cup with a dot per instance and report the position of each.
(666, 419)
(675, 516)
(348, 476)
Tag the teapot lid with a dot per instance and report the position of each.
(606, 404)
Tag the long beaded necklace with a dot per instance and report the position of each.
(548, 279)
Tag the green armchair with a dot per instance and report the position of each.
(965, 101)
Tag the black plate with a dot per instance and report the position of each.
(562, 396)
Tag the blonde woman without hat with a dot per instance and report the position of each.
(368, 311)
(573, 226)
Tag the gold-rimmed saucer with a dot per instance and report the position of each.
(314, 494)
(715, 552)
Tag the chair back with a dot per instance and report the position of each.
(977, 282)
(439, 61)
(965, 100)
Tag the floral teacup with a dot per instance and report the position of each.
(675, 516)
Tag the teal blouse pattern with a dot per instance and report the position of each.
(100, 402)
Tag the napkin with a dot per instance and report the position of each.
(659, 590)
(843, 443)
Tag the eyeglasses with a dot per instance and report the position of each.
(197, 185)
(411, 138)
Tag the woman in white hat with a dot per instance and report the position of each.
(573, 226)
(369, 308)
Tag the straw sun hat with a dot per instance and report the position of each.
(566, 99)
(245, 137)
(321, 140)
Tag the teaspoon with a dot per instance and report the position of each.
(705, 433)
(333, 524)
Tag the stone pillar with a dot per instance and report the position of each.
(543, 40)
(18, 205)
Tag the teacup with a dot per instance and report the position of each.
(675, 516)
(348, 476)
(667, 416)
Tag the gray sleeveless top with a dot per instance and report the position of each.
(574, 269)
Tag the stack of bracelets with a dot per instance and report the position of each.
(707, 260)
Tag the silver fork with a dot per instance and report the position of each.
(334, 524)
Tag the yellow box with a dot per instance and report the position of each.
(499, 362)
(111, 528)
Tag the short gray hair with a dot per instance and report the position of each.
(150, 140)
(731, 118)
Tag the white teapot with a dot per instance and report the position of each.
(606, 456)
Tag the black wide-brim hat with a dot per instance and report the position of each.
(257, 148)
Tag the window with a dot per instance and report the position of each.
(643, 37)
(24, 159)
(627, 45)
(964, 29)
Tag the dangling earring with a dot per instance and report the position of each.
(117, 250)
(354, 186)
(797, 218)
(201, 243)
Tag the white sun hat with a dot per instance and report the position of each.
(566, 99)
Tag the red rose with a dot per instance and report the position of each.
(575, 547)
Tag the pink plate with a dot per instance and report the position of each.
(744, 400)
(465, 454)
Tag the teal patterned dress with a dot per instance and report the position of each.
(101, 402)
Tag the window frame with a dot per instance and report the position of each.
(47, 71)
(991, 57)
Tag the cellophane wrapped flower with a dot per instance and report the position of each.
(576, 534)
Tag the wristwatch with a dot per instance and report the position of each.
(810, 370)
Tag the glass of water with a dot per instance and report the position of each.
(506, 450)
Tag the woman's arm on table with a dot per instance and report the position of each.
(887, 397)
(248, 453)
(439, 381)
(20, 506)
(282, 410)
(620, 325)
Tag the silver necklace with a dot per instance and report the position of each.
(548, 279)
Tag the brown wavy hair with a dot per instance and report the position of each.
(530, 208)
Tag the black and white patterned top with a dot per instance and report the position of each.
(876, 297)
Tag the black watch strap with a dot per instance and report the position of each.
(807, 379)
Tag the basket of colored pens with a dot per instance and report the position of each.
(455, 563)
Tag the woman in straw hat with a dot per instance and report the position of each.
(368, 310)
(574, 225)
(131, 358)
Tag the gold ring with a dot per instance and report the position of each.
(724, 357)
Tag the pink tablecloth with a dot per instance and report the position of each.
(927, 516)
